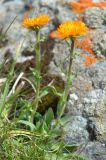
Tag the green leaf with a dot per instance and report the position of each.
(49, 116)
(71, 78)
(44, 92)
(43, 39)
(38, 117)
(53, 89)
(71, 147)
(64, 120)
(41, 127)
(27, 123)
(36, 74)
(45, 127)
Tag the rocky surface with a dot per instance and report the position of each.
(87, 100)
(76, 126)
(95, 17)
(95, 150)
(99, 42)
(95, 111)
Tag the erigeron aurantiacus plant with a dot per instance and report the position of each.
(35, 24)
(68, 31)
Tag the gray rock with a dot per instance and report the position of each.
(99, 42)
(65, 13)
(14, 6)
(97, 74)
(54, 4)
(17, 32)
(95, 111)
(75, 130)
(61, 53)
(92, 100)
(60, 8)
(50, 3)
(95, 17)
(73, 97)
(95, 151)
(3, 14)
(89, 86)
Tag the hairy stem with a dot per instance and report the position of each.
(63, 100)
(38, 76)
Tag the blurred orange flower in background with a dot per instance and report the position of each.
(36, 22)
(70, 29)
(89, 60)
(82, 5)
(85, 44)
(54, 34)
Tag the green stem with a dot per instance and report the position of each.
(38, 52)
(38, 71)
(63, 100)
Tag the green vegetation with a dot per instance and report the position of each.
(26, 133)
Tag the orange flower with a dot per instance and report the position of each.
(36, 22)
(54, 34)
(90, 60)
(85, 44)
(85, 1)
(70, 29)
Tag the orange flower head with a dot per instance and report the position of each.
(85, 44)
(36, 22)
(70, 29)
